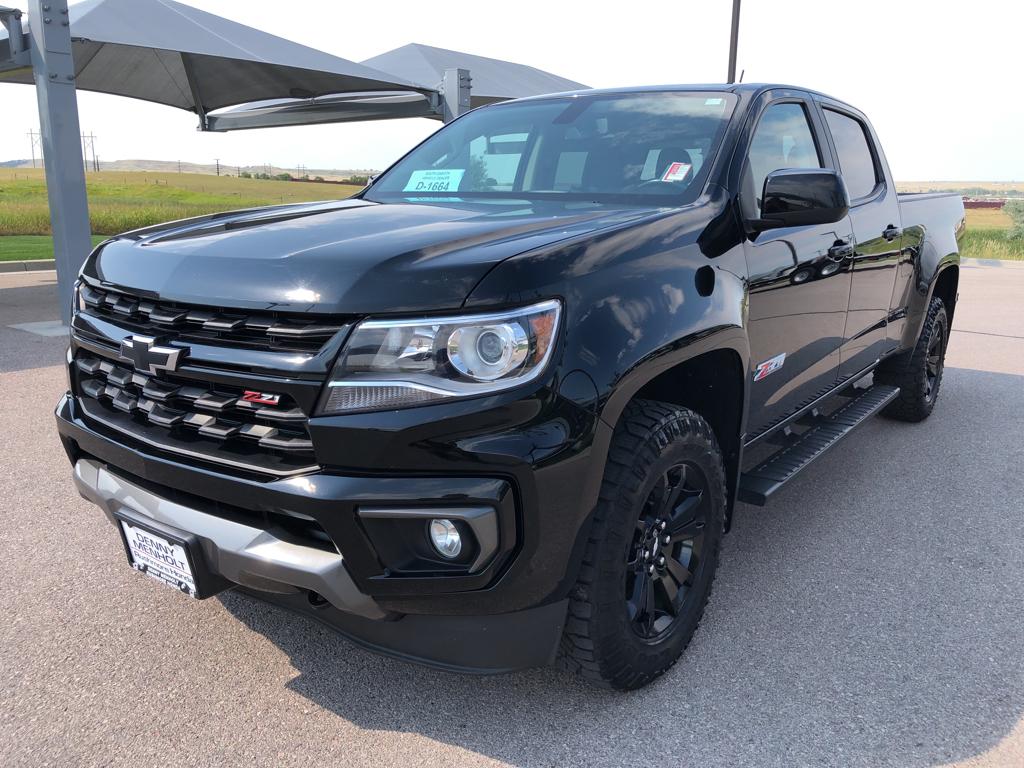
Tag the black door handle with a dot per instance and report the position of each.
(840, 251)
(890, 233)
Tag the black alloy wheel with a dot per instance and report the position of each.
(935, 360)
(665, 556)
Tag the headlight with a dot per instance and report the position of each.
(400, 363)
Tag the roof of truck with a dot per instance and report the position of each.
(746, 88)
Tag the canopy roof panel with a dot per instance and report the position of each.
(493, 79)
(170, 53)
(167, 52)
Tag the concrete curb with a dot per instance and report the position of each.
(992, 263)
(33, 265)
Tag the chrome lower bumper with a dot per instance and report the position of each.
(243, 554)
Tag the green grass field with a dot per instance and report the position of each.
(25, 247)
(986, 238)
(121, 201)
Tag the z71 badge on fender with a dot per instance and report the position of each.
(769, 367)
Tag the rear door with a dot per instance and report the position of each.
(799, 285)
(875, 214)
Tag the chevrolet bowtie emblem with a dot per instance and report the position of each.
(146, 355)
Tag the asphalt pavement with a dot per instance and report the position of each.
(871, 615)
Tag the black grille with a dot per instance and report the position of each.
(211, 421)
(261, 330)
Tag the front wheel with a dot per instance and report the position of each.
(653, 549)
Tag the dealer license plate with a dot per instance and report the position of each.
(159, 557)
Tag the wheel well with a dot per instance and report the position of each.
(710, 384)
(945, 288)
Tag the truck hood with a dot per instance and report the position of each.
(340, 257)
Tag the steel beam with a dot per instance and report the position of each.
(13, 51)
(455, 93)
(54, 72)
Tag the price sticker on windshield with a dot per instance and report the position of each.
(441, 180)
(676, 172)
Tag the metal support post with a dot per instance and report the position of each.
(455, 89)
(18, 56)
(54, 73)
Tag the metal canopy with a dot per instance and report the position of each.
(450, 82)
(173, 54)
(493, 79)
(169, 53)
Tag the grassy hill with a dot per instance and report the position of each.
(123, 201)
(970, 188)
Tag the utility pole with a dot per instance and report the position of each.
(217, 161)
(179, 166)
(35, 139)
(734, 38)
(89, 146)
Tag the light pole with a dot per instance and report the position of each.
(734, 40)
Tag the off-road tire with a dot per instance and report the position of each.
(599, 641)
(918, 373)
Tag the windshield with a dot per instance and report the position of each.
(651, 148)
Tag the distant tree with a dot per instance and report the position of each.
(245, 175)
(360, 180)
(283, 177)
(318, 178)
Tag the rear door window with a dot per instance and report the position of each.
(856, 161)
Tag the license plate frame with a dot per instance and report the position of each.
(165, 554)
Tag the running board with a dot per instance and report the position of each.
(782, 466)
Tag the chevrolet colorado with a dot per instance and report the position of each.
(497, 409)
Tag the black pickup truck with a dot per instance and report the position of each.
(498, 408)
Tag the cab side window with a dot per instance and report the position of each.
(783, 139)
(856, 160)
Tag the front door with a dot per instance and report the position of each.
(799, 286)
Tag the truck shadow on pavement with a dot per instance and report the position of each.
(872, 615)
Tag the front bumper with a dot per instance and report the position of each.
(242, 553)
(490, 621)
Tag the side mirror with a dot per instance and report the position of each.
(795, 197)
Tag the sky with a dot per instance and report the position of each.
(942, 82)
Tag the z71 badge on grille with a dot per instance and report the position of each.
(146, 355)
(263, 398)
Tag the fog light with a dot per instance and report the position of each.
(445, 538)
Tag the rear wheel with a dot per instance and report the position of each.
(918, 373)
(653, 549)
